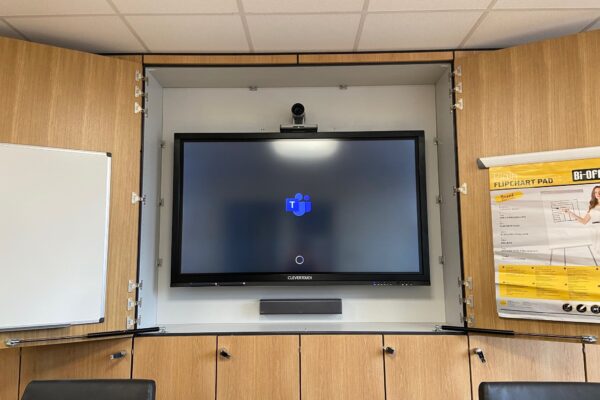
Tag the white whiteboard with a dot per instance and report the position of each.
(54, 207)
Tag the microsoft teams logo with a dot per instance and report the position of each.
(298, 205)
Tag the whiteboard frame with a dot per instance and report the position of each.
(106, 243)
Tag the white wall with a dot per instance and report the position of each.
(354, 109)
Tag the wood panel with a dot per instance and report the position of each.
(374, 58)
(87, 360)
(137, 58)
(592, 362)
(468, 53)
(510, 359)
(183, 367)
(427, 367)
(9, 373)
(342, 367)
(260, 367)
(222, 59)
(68, 99)
(536, 97)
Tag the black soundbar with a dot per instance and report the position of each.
(300, 306)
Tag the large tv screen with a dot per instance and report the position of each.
(280, 209)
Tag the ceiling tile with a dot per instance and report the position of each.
(417, 5)
(96, 34)
(191, 33)
(7, 31)
(176, 6)
(520, 4)
(306, 6)
(54, 7)
(509, 28)
(289, 33)
(416, 31)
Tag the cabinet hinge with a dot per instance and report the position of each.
(163, 144)
(131, 322)
(459, 105)
(467, 283)
(161, 202)
(136, 198)
(457, 71)
(457, 89)
(441, 260)
(139, 77)
(159, 262)
(461, 189)
(466, 300)
(139, 93)
(438, 199)
(132, 285)
(131, 304)
(139, 109)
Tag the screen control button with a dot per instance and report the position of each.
(581, 308)
(595, 309)
(299, 260)
(567, 307)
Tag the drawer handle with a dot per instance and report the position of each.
(389, 350)
(224, 353)
(118, 355)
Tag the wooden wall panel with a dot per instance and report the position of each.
(510, 359)
(87, 360)
(536, 97)
(260, 367)
(183, 367)
(342, 367)
(9, 373)
(69, 99)
(220, 59)
(427, 367)
(374, 58)
(592, 362)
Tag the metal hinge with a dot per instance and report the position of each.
(457, 71)
(436, 141)
(163, 144)
(459, 105)
(441, 260)
(438, 199)
(131, 322)
(139, 109)
(137, 92)
(461, 189)
(132, 285)
(159, 262)
(469, 319)
(131, 304)
(139, 77)
(161, 202)
(136, 198)
(467, 283)
(466, 300)
(457, 89)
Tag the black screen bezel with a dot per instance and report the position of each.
(179, 279)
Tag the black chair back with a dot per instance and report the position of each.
(539, 391)
(109, 389)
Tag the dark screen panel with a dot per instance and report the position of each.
(299, 206)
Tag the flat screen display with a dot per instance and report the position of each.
(299, 209)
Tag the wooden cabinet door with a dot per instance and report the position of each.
(68, 99)
(342, 367)
(592, 362)
(183, 367)
(102, 359)
(10, 360)
(510, 359)
(536, 97)
(259, 367)
(427, 367)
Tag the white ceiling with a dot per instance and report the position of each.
(232, 26)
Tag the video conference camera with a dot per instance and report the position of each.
(298, 118)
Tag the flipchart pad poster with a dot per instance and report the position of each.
(546, 235)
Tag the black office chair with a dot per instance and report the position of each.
(539, 391)
(109, 389)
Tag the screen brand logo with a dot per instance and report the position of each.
(298, 205)
(299, 277)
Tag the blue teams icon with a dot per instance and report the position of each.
(298, 205)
